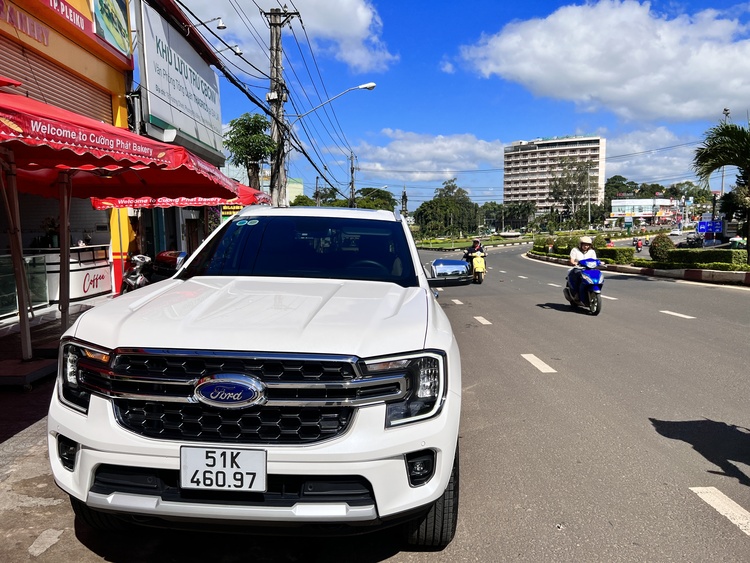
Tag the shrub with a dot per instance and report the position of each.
(599, 242)
(660, 245)
(564, 244)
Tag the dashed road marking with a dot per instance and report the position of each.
(610, 298)
(677, 314)
(554, 284)
(725, 506)
(483, 320)
(457, 302)
(537, 363)
(523, 277)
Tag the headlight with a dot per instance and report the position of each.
(76, 361)
(425, 376)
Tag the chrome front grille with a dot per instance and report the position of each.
(309, 398)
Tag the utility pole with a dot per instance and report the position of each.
(404, 199)
(352, 199)
(588, 191)
(317, 192)
(276, 98)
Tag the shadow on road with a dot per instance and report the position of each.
(20, 408)
(719, 442)
(148, 544)
(562, 307)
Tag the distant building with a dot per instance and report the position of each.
(649, 211)
(530, 166)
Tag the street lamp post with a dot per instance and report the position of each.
(368, 86)
(278, 177)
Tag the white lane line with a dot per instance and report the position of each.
(440, 289)
(554, 284)
(537, 363)
(523, 277)
(725, 506)
(457, 302)
(502, 271)
(483, 320)
(677, 314)
(610, 298)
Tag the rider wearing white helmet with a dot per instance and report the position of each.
(585, 249)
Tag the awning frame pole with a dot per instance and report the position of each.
(10, 195)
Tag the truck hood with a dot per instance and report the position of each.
(264, 315)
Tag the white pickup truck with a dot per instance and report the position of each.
(297, 371)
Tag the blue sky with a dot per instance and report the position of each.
(458, 82)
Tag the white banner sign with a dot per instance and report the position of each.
(181, 90)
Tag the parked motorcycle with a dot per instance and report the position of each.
(588, 293)
(138, 275)
(478, 266)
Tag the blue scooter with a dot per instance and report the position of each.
(589, 292)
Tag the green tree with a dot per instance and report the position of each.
(571, 187)
(249, 144)
(302, 200)
(376, 198)
(452, 208)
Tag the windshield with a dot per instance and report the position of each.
(307, 247)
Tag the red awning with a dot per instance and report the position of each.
(245, 196)
(105, 161)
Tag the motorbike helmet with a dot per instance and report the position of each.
(586, 240)
(475, 240)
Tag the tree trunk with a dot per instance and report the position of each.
(253, 175)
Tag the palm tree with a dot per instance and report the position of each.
(728, 144)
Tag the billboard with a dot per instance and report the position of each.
(179, 91)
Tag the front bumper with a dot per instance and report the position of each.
(367, 451)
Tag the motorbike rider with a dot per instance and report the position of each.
(476, 246)
(639, 245)
(584, 250)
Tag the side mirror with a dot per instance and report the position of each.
(181, 257)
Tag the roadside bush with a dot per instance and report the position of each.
(660, 245)
(564, 244)
(599, 242)
(617, 254)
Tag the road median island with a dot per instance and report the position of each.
(691, 274)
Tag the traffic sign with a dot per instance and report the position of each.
(710, 226)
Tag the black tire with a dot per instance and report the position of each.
(97, 520)
(595, 303)
(436, 529)
(124, 288)
(480, 277)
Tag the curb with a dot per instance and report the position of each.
(460, 249)
(706, 276)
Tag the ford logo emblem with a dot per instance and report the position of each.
(230, 391)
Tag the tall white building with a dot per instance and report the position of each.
(531, 165)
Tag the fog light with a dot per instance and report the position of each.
(420, 467)
(67, 450)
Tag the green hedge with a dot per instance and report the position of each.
(618, 254)
(694, 256)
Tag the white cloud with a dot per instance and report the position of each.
(416, 158)
(633, 156)
(623, 56)
(347, 30)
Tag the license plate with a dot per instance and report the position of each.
(223, 469)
